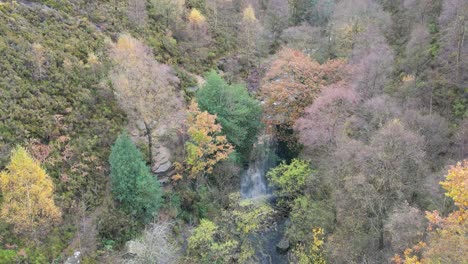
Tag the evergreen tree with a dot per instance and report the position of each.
(133, 185)
(238, 113)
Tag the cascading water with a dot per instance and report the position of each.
(255, 186)
(253, 181)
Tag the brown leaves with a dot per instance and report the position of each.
(292, 83)
(144, 88)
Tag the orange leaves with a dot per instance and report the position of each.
(292, 83)
(206, 147)
(177, 177)
(447, 235)
(410, 255)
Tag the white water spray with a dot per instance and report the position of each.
(253, 181)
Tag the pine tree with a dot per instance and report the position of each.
(27, 190)
(133, 185)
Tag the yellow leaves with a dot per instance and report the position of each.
(249, 15)
(318, 238)
(434, 219)
(249, 217)
(314, 254)
(456, 185)
(408, 78)
(37, 48)
(346, 36)
(207, 243)
(195, 17)
(447, 235)
(410, 255)
(93, 59)
(27, 191)
(126, 42)
(205, 147)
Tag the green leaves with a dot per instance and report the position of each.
(238, 113)
(206, 247)
(231, 238)
(133, 185)
(290, 179)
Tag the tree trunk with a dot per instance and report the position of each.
(459, 52)
(381, 235)
(150, 142)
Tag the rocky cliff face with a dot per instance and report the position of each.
(162, 160)
(163, 147)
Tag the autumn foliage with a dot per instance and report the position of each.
(144, 88)
(292, 83)
(195, 17)
(27, 190)
(205, 147)
(447, 235)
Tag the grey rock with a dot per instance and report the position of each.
(130, 249)
(192, 89)
(162, 167)
(162, 163)
(75, 259)
(283, 245)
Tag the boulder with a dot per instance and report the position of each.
(130, 249)
(283, 245)
(75, 259)
(162, 163)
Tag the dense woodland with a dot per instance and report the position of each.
(126, 127)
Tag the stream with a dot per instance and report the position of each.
(254, 185)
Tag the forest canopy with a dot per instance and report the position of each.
(243, 131)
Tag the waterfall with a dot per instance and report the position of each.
(253, 181)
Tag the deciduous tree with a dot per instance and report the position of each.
(168, 12)
(292, 83)
(447, 235)
(206, 145)
(323, 121)
(230, 238)
(290, 179)
(28, 203)
(315, 252)
(39, 60)
(144, 88)
(196, 40)
(250, 35)
(350, 19)
(372, 60)
(156, 245)
(454, 49)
